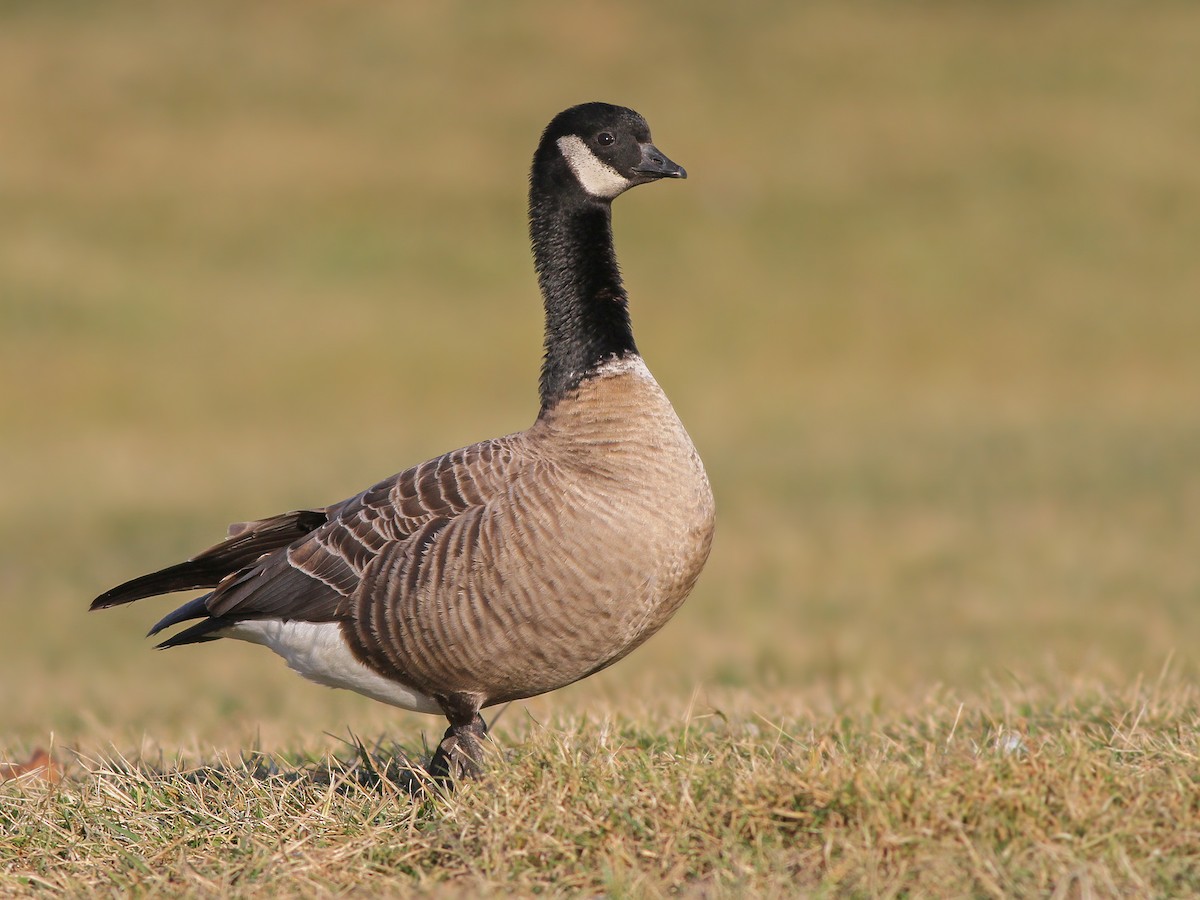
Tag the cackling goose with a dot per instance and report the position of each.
(510, 567)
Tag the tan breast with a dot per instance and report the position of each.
(601, 530)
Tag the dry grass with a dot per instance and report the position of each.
(927, 304)
(1007, 794)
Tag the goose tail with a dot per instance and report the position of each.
(247, 543)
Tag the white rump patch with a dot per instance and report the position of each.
(598, 178)
(319, 652)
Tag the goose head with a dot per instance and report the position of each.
(599, 150)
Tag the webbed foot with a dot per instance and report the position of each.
(460, 754)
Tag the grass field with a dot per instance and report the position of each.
(929, 304)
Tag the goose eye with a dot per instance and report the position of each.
(604, 139)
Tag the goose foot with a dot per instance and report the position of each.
(460, 754)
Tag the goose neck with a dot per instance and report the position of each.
(587, 311)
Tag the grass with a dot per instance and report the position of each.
(1014, 794)
(927, 304)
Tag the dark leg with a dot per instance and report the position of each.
(460, 754)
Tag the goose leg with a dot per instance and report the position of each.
(460, 754)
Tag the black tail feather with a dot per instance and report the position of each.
(247, 543)
(193, 609)
(199, 633)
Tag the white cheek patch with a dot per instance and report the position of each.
(597, 178)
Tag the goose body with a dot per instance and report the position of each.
(513, 566)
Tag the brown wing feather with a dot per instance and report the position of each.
(312, 579)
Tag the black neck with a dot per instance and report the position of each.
(587, 313)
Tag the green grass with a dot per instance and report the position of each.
(927, 304)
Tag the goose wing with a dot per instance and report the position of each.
(306, 565)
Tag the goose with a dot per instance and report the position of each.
(511, 567)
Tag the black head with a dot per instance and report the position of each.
(600, 150)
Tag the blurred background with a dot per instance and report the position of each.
(929, 304)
